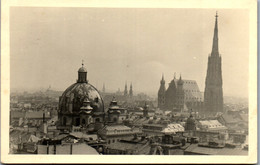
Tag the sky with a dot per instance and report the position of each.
(119, 45)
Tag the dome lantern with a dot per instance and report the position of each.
(82, 74)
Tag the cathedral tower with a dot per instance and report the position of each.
(125, 91)
(161, 94)
(179, 101)
(213, 94)
(131, 90)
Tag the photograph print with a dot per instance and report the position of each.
(129, 81)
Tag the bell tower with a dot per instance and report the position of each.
(161, 94)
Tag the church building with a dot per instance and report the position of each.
(181, 95)
(81, 106)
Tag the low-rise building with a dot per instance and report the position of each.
(114, 133)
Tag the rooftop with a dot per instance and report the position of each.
(195, 149)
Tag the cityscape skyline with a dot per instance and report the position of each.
(129, 81)
(134, 54)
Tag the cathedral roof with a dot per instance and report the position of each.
(191, 89)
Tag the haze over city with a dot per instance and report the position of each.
(119, 45)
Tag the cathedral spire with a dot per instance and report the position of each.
(131, 90)
(213, 93)
(125, 91)
(162, 81)
(215, 38)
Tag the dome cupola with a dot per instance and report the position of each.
(82, 74)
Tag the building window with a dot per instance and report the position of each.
(64, 121)
(97, 120)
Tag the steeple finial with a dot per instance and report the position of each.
(82, 63)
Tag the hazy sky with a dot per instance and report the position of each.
(119, 45)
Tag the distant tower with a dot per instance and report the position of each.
(103, 89)
(179, 102)
(131, 90)
(161, 94)
(213, 94)
(113, 112)
(146, 109)
(125, 91)
(190, 123)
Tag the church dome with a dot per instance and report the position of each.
(82, 69)
(80, 96)
(72, 99)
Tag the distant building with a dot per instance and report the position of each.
(160, 129)
(213, 94)
(114, 133)
(180, 96)
(30, 118)
(134, 146)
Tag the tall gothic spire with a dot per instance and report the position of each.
(213, 93)
(215, 38)
(162, 81)
(131, 90)
(125, 91)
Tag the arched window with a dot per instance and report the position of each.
(64, 121)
